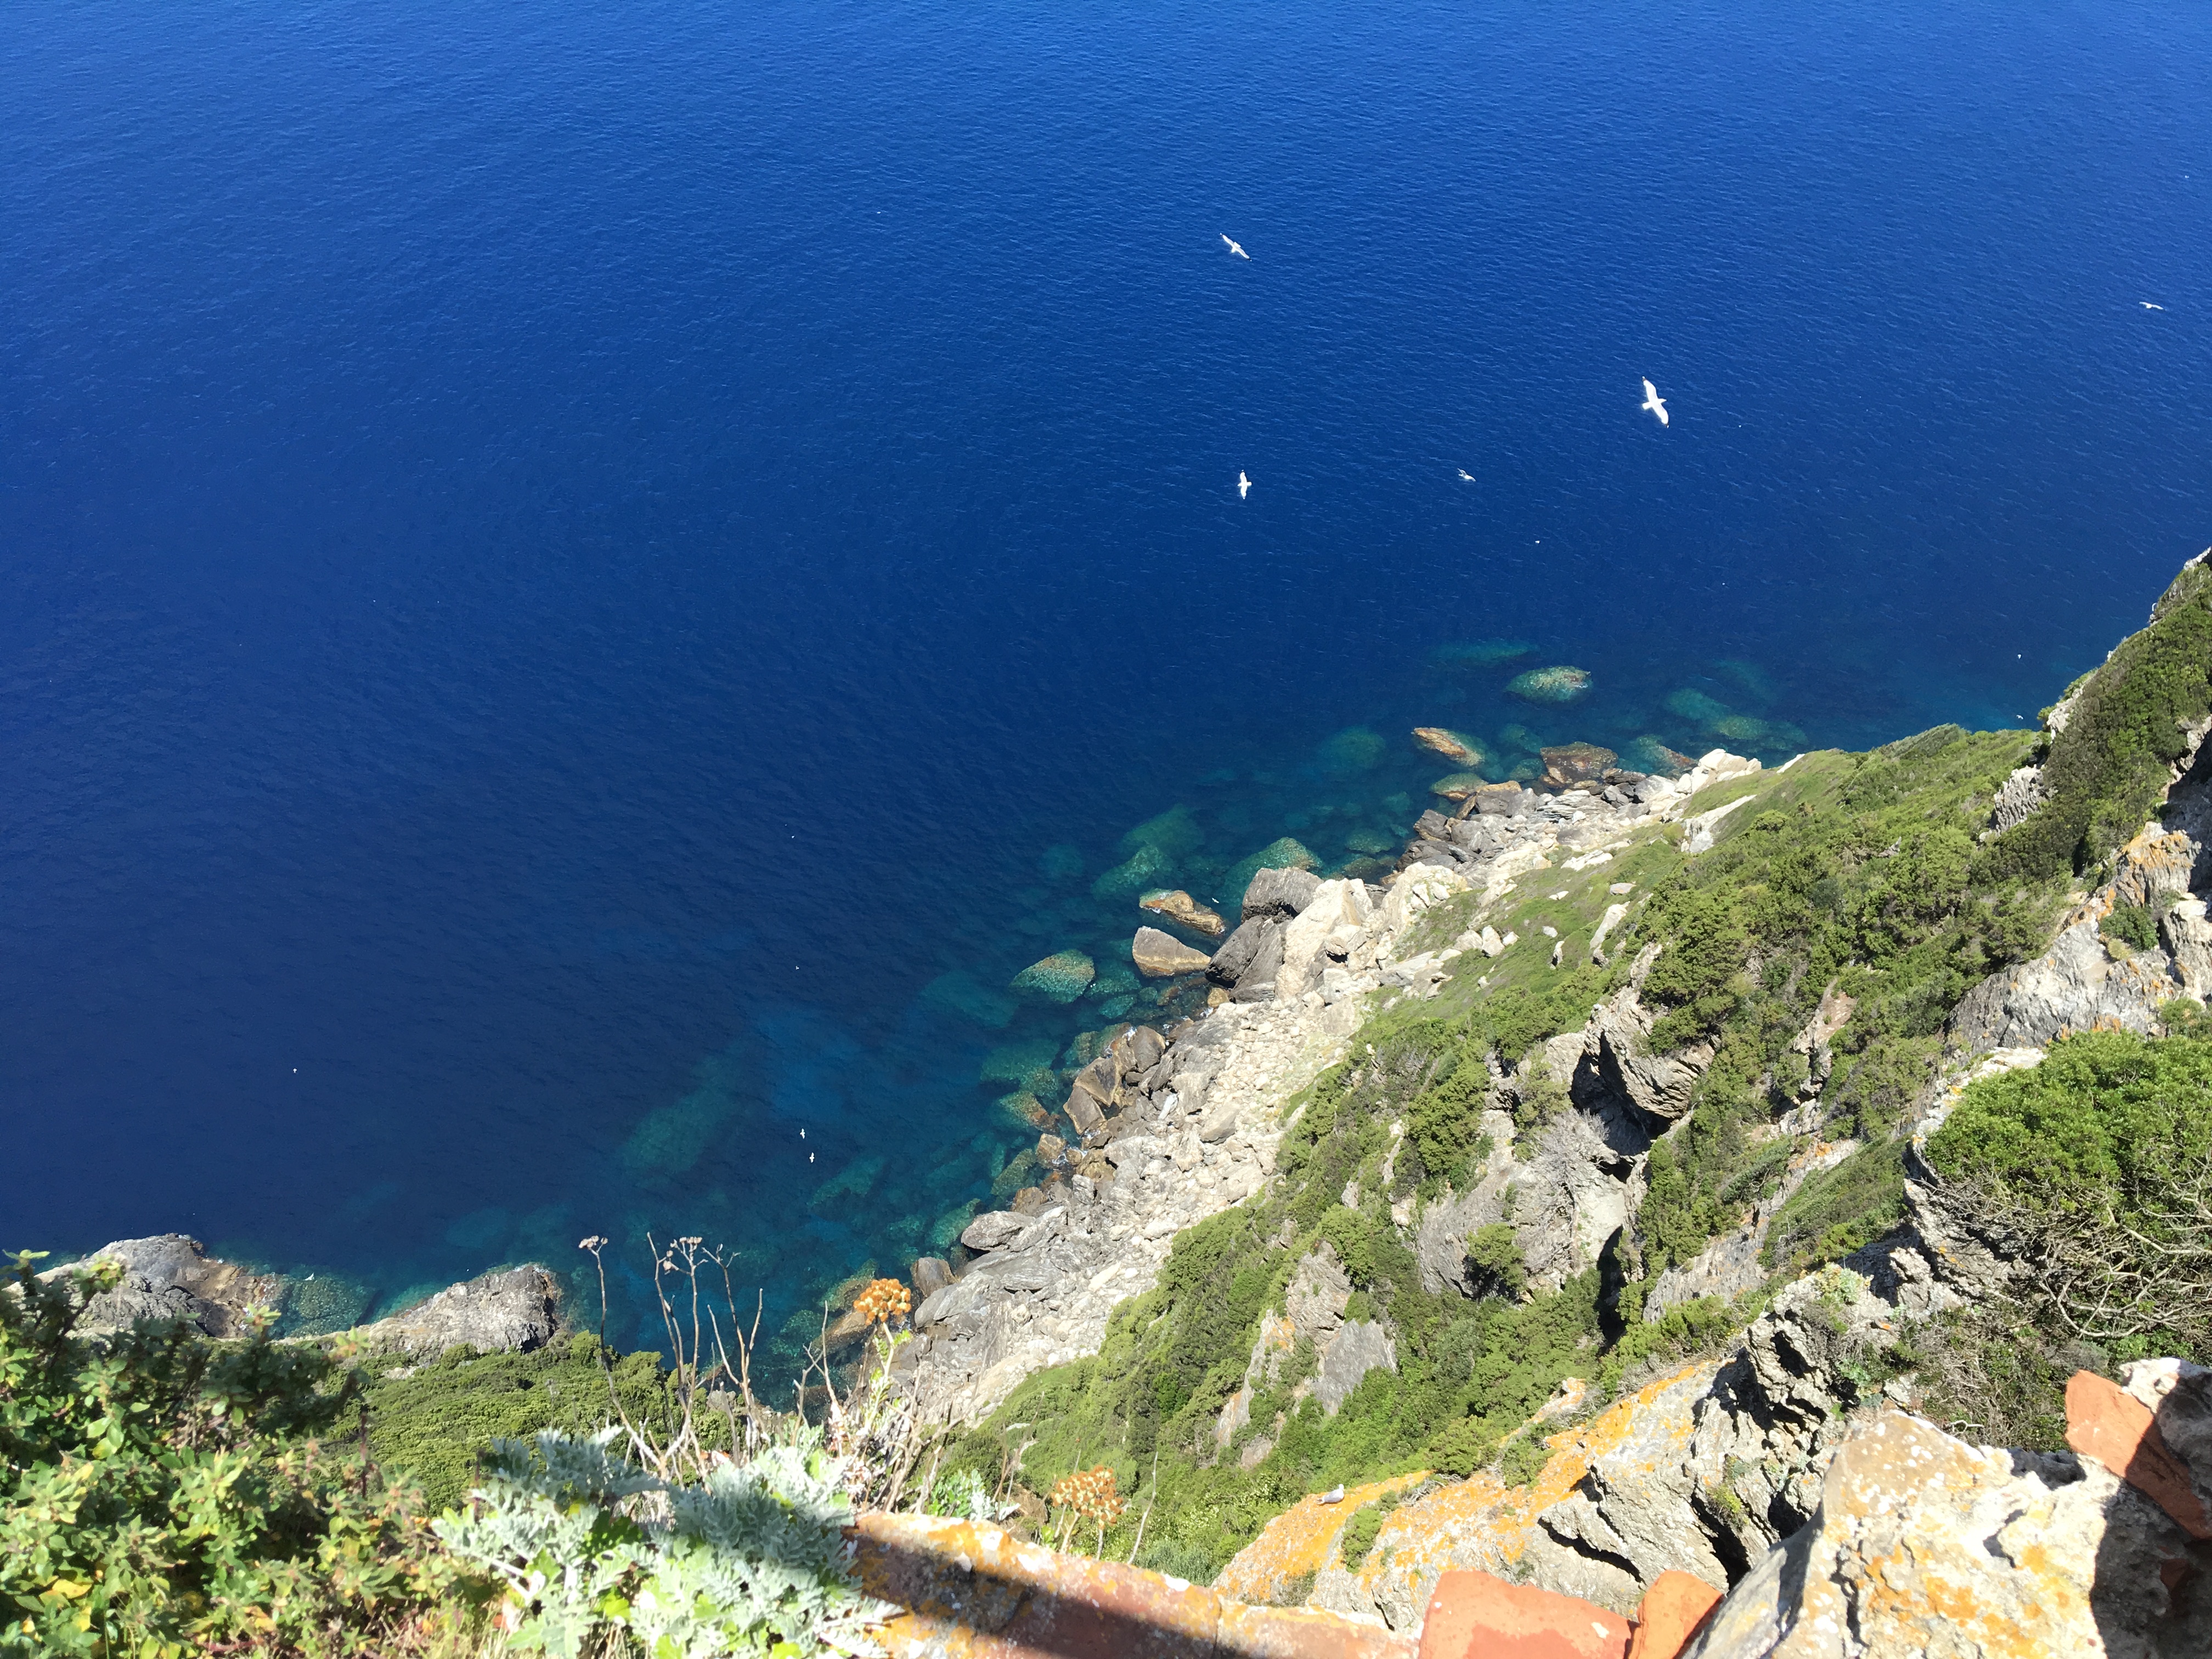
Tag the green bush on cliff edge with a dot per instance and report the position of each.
(160, 1496)
(2107, 771)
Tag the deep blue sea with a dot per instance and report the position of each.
(584, 585)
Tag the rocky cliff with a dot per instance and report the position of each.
(1787, 978)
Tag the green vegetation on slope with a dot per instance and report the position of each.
(2102, 1158)
(1858, 873)
(1855, 872)
(432, 1422)
(2107, 771)
(161, 1495)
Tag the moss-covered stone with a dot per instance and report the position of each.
(1060, 977)
(1018, 1062)
(1559, 684)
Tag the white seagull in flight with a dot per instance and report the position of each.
(1244, 486)
(1466, 475)
(1235, 249)
(1654, 402)
(2148, 305)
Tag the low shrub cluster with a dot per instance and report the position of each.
(2099, 1159)
(161, 1496)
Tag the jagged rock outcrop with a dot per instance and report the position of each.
(171, 1276)
(1203, 1139)
(1701, 1471)
(511, 1311)
(1617, 1065)
(1923, 1543)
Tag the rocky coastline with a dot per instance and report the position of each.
(1178, 1126)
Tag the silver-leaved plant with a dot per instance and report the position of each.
(751, 1560)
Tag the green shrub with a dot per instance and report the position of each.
(2102, 1156)
(159, 1494)
(1462, 1446)
(1362, 1530)
(1494, 1264)
(1839, 1210)
(2134, 926)
(1524, 1458)
(1445, 1120)
(2107, 771)
(432, 1422)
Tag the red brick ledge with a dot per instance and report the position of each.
(976, 1591)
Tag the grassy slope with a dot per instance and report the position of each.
(432, 1423)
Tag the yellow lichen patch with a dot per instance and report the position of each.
(1300, 1540)
(1482, 1523)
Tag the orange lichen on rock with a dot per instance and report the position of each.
(1302, 1539)
(1483, 1523)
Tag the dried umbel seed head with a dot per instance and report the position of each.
(884, 1299)
(1089, 1494)
(596, 1241)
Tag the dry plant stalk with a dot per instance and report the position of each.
(2112, 1278)
(873, 1428)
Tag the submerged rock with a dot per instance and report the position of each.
(1161, 956)
(1451, 744)
(1181, 908)
(1174, 834)
(1559, 684)
(1481, 653)
(1568, 766)
(1647, 754)
(1143, 868)
(1457, 785)
(1356, 749)
(1018, 1062)
(960, 993)
(1696, 706)
(1060, 977)
(1023, 1110)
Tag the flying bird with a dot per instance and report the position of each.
(1654, 402)
(1235, 249)
(2148, 305)
(1244, 486)
(1466, 475)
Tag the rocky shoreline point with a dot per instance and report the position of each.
(1176, 1126)
(171, 1276)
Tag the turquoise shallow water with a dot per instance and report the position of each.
(587, 588)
